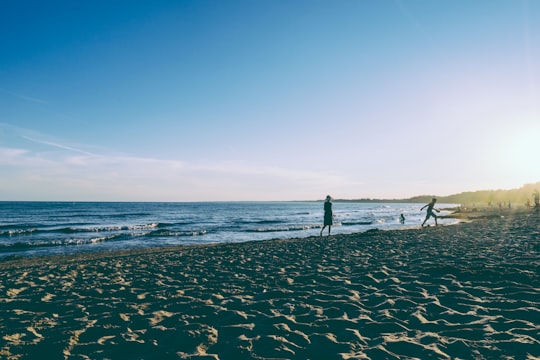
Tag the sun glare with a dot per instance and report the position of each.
(518, 155)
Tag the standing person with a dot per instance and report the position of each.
(536, 199)
(429, 212)
(328, 216)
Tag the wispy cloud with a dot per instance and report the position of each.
(105, 175)
(10, 133)
(57, 145)
(24, 97)
(113, 177)
(11, 156)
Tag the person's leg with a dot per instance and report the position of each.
(329, 228)
(322, 229)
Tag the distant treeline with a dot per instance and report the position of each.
(481, 197)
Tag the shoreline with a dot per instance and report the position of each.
(15, 257)
(16, 260)
(101, 227)
(467, 290)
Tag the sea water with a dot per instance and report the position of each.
(46, 228)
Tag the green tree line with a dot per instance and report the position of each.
(517, 197)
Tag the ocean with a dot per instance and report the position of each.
(48, 228)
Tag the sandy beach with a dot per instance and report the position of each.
(465, 291)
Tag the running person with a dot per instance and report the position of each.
(429, 212)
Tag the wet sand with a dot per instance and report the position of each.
(466, 291)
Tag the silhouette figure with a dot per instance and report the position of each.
(429, 212)
(328, 216)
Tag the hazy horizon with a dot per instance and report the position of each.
(364, 199)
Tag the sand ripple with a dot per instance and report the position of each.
(467, 291)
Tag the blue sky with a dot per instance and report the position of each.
(268, 99)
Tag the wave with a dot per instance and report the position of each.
(74, 241)
(349, 223)
(262, 222)
(78, 214)
(286, 228)
(256, 221)
(21, 225)
(25, 245)
(15, 232)
(76, 230)
(170, 233)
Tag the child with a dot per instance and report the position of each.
(429, 212)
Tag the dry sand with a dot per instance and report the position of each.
(465, 291)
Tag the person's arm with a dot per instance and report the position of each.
(423, 207)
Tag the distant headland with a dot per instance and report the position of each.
(514, 196)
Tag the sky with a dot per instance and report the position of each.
(210, 100)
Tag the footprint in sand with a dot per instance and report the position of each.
(15, 292)
(14, 339)
(142, 296)
(103, 339)
(47, 297)
(133, 336)
(33, 331)
(159, 316)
